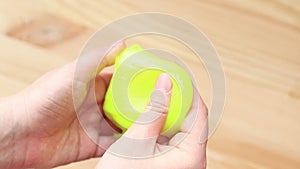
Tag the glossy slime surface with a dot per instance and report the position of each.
(128, 94)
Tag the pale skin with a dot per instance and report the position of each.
(39, 127)
(188, 153)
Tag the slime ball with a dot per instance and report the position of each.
(132, 84)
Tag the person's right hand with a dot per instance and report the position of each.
(187, 149)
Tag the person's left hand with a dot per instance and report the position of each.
(45, 115)
(143, 146)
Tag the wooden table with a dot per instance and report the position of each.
(258, 43)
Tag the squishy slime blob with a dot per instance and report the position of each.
(132, 84)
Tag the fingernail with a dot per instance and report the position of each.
(118, 43)
(164, 83)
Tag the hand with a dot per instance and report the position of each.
(43, 128)
(142, 147)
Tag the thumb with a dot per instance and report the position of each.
(140, 139)
(152, 120)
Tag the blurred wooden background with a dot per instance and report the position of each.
(258, 42)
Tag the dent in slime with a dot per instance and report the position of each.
(132, 84)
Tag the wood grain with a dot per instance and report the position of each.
(258, 43)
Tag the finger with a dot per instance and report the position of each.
(102, 82)
(106, 78)
(195, 126)
(89, 64)
(109, 58)
(193, 136)
(104, 143)
(93, 147)
(95, 129)
(151, 121)
(101, 85)
(110, 123)
(198, 117)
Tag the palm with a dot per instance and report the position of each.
(186, 149)
(60, 138)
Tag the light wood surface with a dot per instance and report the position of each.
(258, 43)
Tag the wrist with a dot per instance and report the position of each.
(12, 133)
